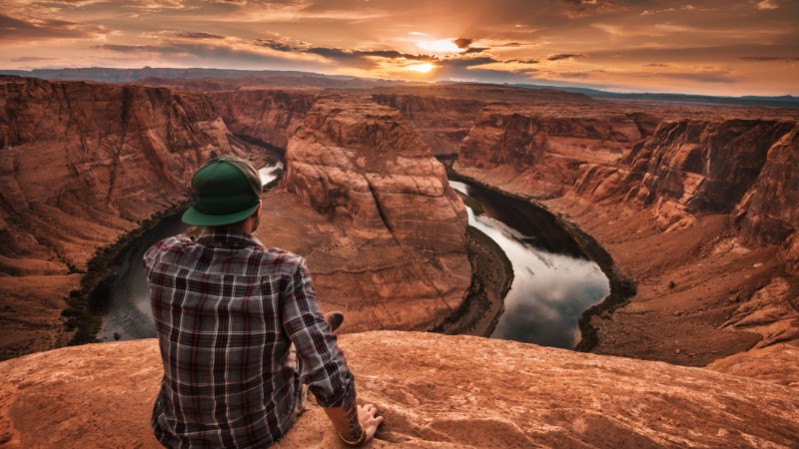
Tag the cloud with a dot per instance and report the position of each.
(198, 35)
(649, 12)
(768, 4)
(14, 29)
(581, 8)
(769, 58)
(215, 53)
(562, 56)
(159, 4)
(463, 42)
(32, 59)
(656, 64)
(362, 59)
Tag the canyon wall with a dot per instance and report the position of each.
(370, 207)
(435, 391)
(442, 122)
(266, 117)
(543, 152)
(81, 164)
(696, 205)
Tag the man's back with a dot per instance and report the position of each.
(226, 311)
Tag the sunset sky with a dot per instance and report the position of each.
(715, 47)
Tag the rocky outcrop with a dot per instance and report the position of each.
(267, 117)
(544, 152)
(696, 195)
(687, 167)
(81, 164)
(442, 122)
(360, 160)
(383, 232)
(435, 391)
(768, 213)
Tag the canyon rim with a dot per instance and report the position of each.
(693, 204)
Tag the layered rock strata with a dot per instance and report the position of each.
(543, 153)
(441, 121)
(699, 212)
(435, 391)
(81, 164)
(267, 117)
(365, 201)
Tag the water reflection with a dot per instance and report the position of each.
(549, 290)
(128, 315)
(270, 173)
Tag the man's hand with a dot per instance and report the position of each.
(367, 416)
(354, 421)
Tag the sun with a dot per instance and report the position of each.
(424, 67)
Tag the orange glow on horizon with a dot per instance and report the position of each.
(424, 67)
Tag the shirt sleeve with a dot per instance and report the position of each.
(324, 368)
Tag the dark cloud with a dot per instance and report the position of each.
(463, 42)
(207, 54)
(357, 58)
(475, 50)
(769, 58)
(195, 35)
(282, 44)
(15, 29)
(562, 56)
(524, 61)
(656, 64)
(32, 59)
(580, 8)
(467, 62)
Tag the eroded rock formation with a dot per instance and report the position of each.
(543, 152)
(442, 121)
(80, 164)
(371, 209)
(691, 208)
(435, 391)
(264, 116)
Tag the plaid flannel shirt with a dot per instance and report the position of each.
(227, 311)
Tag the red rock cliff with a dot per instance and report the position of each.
(542, 151)
(263, 116)
(368, 205)
(80, 164)
(442, 122)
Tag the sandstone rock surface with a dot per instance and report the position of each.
(264, 116)
(435, 391)
(698, 209)
(442, 121)
(370, 208)
(541, 150)
(81, 164)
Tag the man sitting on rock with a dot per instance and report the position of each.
(229, 315)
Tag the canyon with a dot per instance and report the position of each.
(695, 204)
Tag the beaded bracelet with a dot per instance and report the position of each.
(361, 439)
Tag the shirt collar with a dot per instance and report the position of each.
(223, 238)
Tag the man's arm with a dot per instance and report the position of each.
(324, 368)
(355, 425)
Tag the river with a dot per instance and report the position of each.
(127, 313)
(553, 282)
